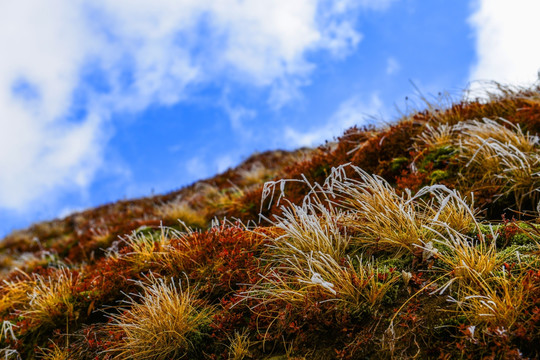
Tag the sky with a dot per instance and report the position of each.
(102, 100)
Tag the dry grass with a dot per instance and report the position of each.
(380, 218)
(148, 247)
(51, 298)
(54, 353)
(6, 331)
(465, 260)
(239, 345)
(495, 153)
(497, 302)
(304, 277)
(520, 174)
(310, 228)
(182, 210)
(8, 353)
(448, 207)
(435, 136)
(13, 295)
(475, 133)
(158, 323)
(256, 174)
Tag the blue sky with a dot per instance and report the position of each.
(112, 99)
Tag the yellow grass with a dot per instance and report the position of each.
(498, 301)
(310, 228)
(302, 278)
(54, 353)
(182, 210)
(158, 323)
(13, 295)
(380, 218)
(51, 298)
(239, 346)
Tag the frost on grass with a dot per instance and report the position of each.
(161, 322)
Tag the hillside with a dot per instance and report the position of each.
(419, 239)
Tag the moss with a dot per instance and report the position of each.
(403, 262)
(520, 254)
(397, 164)
(437, 175)
(438, 157)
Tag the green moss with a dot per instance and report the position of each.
(438, 175)
(438, 157)
(520, 254)
(398, 263)
(398, 163)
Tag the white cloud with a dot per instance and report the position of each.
(392, 66)
(353, 111)
(109, 56)
(507, 34)
(197, 167)
(224, 162)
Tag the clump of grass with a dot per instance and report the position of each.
(54, 353)
(466, 260)
(475, 133)
(305, 277)
(182, 210)
(435, 136)
(496, 154)
(310, 228)
(148, 246)
(13, 294)
(520, 173)
(448, 207)
(496, 302)
(51, 298)
(160, 322)
(239, 345)
(380, 217)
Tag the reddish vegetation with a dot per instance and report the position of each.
(106, 255)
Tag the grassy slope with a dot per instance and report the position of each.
(386, 257)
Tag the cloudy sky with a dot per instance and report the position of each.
(103, 100)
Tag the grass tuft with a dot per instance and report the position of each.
(51, 298)
(158, 323)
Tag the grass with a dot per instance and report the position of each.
(494, 153)
(467, 261)
(435, 136)
(355, 285)
(311, 228)
(54, 353)
(50, 299)
(497, 302)
(380, 218)
(386, 243)
(159, 323)
(13, 295)
(182, 210)
(149, 246)
(239, 345)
